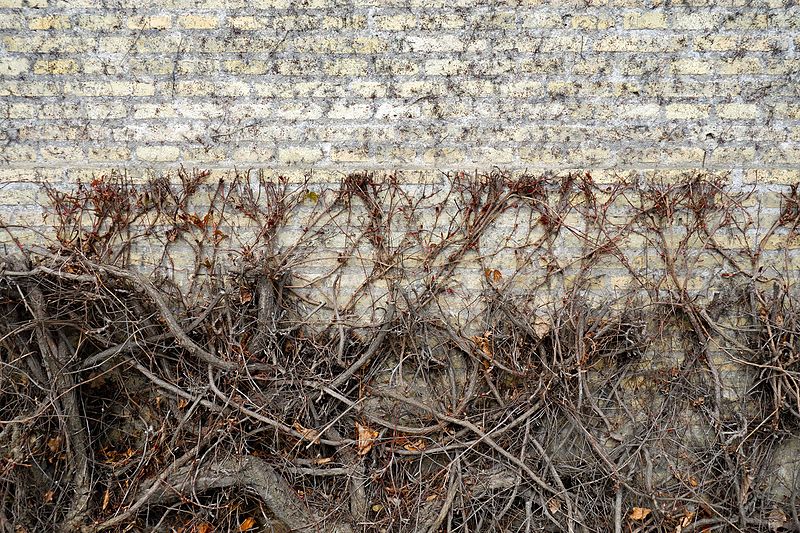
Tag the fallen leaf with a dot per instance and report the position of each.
(687, 518)
(493, 274)
(219, 236)
(541, 327)
(54, 444)
(554, 504)
(415, 446)
(245, 296)
(247, 523)
(431, 498)
(308, 434)
(48, 497)
(639, 513)
(205, 527)
(377, 507)
(483, 343)
(106, 498)
(323, 460)
(776, 519)
(312, 197)
(365, 438)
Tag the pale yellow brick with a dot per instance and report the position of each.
(17, 153)
(686, 111)
(691, 66)
(347, 22)
(198, 22)
(395, 22)
(99, 23)
(29, 89)
(370, 45)
(251, 67)
(649, 20)
(350, 155)
(731, 155)
(738, 111)
(440, 43)
(108, 153)
(420, 89)
(350, 111)
(204, 153)
(12, 21)
(504, 20)
(368, 89)
(746, 21)
(55, 66)
(637, 111)
(109, 88)
(561, 88)
(295, 155)
(522, 89)
(717, 43)
(781, 176)
(701, 20)
(395, 154)
(160, 153)
(61, 153)
(271, 4)
(346, 67)
(639, 43)
(51, 22)
(397, 67)
(254, 153)
(443, 156)
(445, 67)
(246, 23)
(299, 111)
(150, 22)
(10, 4)
(492, 156)
(13, 66)
(684, 156)
(13, 110)
(739, 66)
(442, 21)
(591, 22)
(542, 19)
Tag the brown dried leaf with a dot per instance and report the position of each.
(484, 344)
(245, 296)
(310, 435)
(247, 523)
(639, 513)
(106, 498)
(365, 438)
(415, 446)
(55, 443)
(554, 504)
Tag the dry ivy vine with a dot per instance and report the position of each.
(328, 380)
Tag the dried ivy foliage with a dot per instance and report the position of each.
(487, 353)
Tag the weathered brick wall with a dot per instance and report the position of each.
(408, 84)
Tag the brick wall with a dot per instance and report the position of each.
(398, 84)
